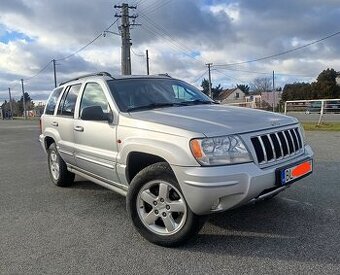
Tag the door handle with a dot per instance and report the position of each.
(54, 123)
(79, 128)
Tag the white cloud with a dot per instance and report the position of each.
(224, 32)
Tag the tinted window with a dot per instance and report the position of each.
(68, 101)
(134, 93)
(94, 96)
(52, 102)
(183, 93)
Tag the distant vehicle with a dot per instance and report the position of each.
(329, 107)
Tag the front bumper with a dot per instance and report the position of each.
(215, 189)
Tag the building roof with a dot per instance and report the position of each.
(226, 93)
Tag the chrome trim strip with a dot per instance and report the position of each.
(96, 162)
(65, 152)
(97, 179)
(262, 197)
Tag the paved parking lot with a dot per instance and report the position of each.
(84, 228)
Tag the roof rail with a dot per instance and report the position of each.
(166, 74)
(87, 75)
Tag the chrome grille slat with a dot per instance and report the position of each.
(263, 149)
(272, 145)
(285, 137)
(277, 136)
(291, 138)
(278, 145)
(298, 135)
(296, 143)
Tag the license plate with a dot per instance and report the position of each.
(292, 173)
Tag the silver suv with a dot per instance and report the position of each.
(172, 151)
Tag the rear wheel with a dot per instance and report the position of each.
(158, 208)
(57, 168)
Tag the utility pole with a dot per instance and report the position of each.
(10, 102)
(209, 70)
(125, 35)
(23, 97)
(147, 62)
(54, 73)
(273, 91)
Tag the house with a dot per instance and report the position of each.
(253, 101)
(227, 96)
(272, 98)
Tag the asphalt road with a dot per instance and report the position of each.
(84, 228)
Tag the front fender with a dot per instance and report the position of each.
(175, 150)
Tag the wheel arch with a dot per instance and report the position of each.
(136, 161)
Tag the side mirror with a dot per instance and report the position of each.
(95, 113)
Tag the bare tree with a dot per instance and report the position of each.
(262, 84)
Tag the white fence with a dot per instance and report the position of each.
(316, 106)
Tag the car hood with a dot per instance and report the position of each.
(214, 120)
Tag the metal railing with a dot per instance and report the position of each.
(321, 106)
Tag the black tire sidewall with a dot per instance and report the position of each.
(66, 178)
(162, 172)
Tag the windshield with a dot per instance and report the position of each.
(148, 93)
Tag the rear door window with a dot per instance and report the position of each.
(52, 102)
(68, 101)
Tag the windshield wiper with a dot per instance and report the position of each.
(198, 101)
(151, 106)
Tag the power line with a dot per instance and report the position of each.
(153, 7)
(164, 33)
(264, 73)
(79, 50)
(137, 54)
(43, 69)
(159, 31)
(228, 76)
(281, 53)
(200, 77)
(173, 46)
(88, 44)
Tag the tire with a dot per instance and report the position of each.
(57, 168)
(157, 207)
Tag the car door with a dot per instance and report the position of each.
(95, 141)
(63, 121)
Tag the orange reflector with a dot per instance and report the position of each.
(302, 169)
(196, 149)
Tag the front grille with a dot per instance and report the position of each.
(275, 146)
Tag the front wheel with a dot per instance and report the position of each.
(158, 209)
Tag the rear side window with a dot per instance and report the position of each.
(52, 102)
(68, 101)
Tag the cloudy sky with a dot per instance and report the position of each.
(181, 36)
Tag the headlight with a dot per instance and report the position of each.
(219, 150)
